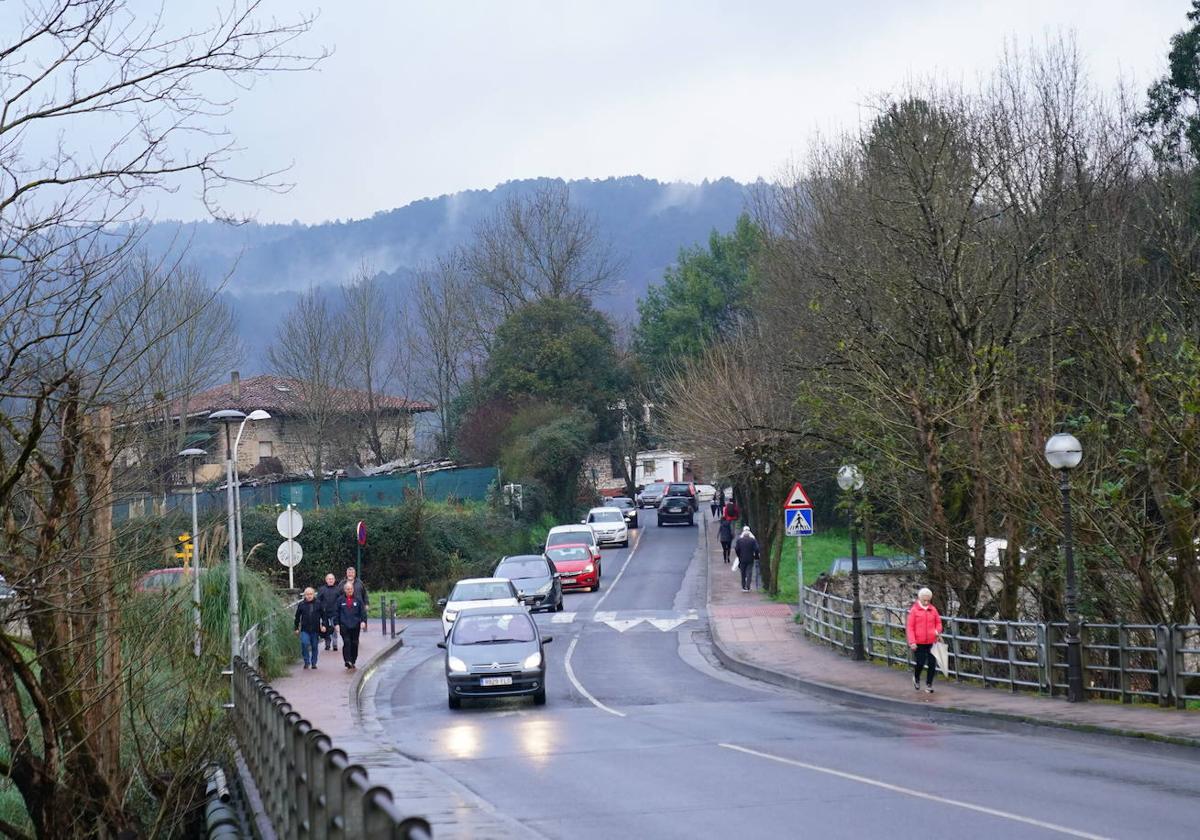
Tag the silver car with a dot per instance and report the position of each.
(608, 523)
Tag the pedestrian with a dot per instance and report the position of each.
(352, 618)
(309, 626)
(725, 535)
(731, 513)
(747, 552)
(923, 628)
(360, 588)
(327, 597)
(715, 507)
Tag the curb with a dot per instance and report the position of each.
(368, 670)
(942, 714)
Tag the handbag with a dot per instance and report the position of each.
(941, 655)
(733, 567)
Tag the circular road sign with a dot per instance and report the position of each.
(361, 532)
(289, 553)
(290, 523)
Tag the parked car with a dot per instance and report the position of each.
(682, 488)
(873, 563)
(608, 523)
(628, 507)
(705, 492)
(651, 494)
(536, 580)
(568, 534)
(160, 579)
(476, 592)
(676, 509)
(495, 652)
(575, 566)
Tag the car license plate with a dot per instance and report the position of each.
(568, 580)
(495, 681)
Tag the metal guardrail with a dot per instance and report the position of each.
(1127, 662)
(309, 788)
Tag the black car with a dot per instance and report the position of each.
(536, 580)
(682, 488)
(628, 508)
(676, 509)
(495, 652)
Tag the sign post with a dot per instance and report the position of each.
(798, 523)
(360, 534)
(289, 525)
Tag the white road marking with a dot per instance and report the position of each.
(667, 624)
(920, 794)
(623, 624)
(579, 686)
(563, 618)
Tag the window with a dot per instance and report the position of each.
(266, 449)
(648, 465)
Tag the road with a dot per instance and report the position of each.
(643, 736)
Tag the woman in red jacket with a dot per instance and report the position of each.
(923, 629)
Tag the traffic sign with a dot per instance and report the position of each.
(290, 523)
(797, 498)
(289, 553)
(361, 532)
(798, 522)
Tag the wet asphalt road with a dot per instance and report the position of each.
(644, 737)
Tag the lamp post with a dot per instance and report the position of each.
(227, 417)
(1063, 453)
(850, 479)
(192, 455)
(257, 414)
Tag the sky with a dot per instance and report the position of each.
(420, 99)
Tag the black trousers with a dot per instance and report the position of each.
(747, 570)
(923, 658)
(725, 546)
(350, 644)
(330, 634)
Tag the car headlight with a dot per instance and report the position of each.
(544, 588)
(456, 665)
(450, 615)
(588, 569)
(532, 661)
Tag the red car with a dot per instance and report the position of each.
(575, 565)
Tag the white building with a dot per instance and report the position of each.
(662, 465)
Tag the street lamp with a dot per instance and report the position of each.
(850, 479)
(257, 414)
(192, 455)
(227, 417)
(1063, 453)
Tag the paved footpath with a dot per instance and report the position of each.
(759, 638)
(340, 703)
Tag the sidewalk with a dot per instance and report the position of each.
(758, 638)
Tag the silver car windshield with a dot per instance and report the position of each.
(486, 629)
(480, 591)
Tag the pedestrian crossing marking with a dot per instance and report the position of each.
(667, 624)
(623, 624)
(623, 620)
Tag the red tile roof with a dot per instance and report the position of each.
(280, 395)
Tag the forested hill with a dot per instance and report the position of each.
(646, 221)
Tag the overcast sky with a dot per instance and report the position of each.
(425, 98)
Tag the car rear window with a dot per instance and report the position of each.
(499, 627)
(522, 569)
(565, 537)
(679, 490)
(481, 591)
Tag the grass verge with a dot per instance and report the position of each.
(410, 603)
(819, 554)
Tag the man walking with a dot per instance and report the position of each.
(725, 535)
(309, 626)
(352, 618)
(746, 549)
(360, 589)
(327, 597)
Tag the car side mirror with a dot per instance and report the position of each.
(582, 521)
(441, 602)
(558, 574)
(547, 639)
(442, 645)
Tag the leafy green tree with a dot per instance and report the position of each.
(549, 444)
(555, 350)
(702, 296)
(1173, 110)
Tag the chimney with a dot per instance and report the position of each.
(235, 386)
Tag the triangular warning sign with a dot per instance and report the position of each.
(797, 498)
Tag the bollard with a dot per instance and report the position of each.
(393, 611)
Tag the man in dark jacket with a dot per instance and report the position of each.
(327, 597)
(746, 549)
(360, 589)
(725, 535)
(310, 624)
(352, 618)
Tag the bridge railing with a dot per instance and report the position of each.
(1127, 662)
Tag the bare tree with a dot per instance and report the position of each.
(538, 246)
(99, 105)
(311, 349)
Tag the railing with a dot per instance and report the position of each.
(1127, 662)
(309, 788)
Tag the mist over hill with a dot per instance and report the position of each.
(646, 221)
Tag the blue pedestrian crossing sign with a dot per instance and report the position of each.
(798, 522)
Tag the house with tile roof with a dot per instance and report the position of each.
(279, 444)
